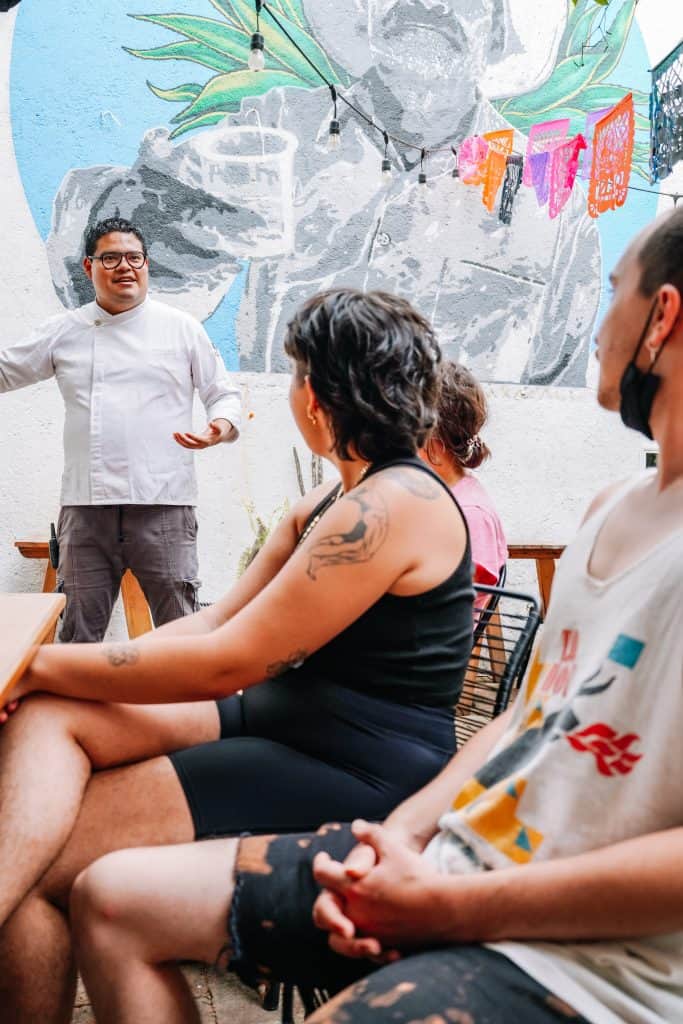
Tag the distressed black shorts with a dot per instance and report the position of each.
(273, 938)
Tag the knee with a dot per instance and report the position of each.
(97, 905)
(42, 709)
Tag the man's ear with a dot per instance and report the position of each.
(669, 303)
(87, 267)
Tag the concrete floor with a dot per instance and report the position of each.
(221, 999)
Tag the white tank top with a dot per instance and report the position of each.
(593, 755)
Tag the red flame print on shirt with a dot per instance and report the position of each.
(610, 750)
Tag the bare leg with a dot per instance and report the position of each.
(39, 802)
(139, 912)
(38, 977)
(47, 752)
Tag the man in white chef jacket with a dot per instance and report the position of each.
(127, 367)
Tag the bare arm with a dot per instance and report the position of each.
(265, 566)
(362, 547)
(632, 888)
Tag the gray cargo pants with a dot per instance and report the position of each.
(97, 543)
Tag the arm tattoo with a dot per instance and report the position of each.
(361, 542)
(417, 483)
(295, 660)
(121, 654)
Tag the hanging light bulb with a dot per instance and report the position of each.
(257, 61)
(386, 162)
(334, 138)
(422, 177)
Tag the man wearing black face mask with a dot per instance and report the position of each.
(648, 285)
(537, 879)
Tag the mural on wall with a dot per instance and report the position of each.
(247, 211)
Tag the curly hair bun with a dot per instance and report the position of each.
(461, 414)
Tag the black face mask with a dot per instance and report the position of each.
(639, 387)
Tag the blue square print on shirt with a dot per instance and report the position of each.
(626, 650)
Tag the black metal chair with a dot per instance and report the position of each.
(499, 658)
(503, 639)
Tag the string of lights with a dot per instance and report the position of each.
(256, 62)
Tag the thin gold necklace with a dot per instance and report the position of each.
(340, 494)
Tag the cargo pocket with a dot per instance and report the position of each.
(191, 596)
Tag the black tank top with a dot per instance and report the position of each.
(413, 650)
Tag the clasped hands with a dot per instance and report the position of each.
(384, 898)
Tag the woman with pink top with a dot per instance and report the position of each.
(453, 449)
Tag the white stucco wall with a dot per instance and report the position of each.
(553, 448)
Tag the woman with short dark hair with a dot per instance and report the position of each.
(321, 687)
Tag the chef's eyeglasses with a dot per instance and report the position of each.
(112, 260)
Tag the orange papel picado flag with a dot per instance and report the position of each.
(612, 153)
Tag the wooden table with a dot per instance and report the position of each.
(26, 620)
(545, 556)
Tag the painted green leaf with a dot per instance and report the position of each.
(180, 94)
(571, 77)
(226, 92)
(618, 35)
(606, 94)
(224, 9)
(568, 80)
(243, 14)
(577, 119)
(277, 44)
(294, 9)
(203, 121)
(594, 97)
(223, 38)
(188, 49)
(579, 28)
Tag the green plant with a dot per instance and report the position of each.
(578, 85)
(261, 529)
(222, 46)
